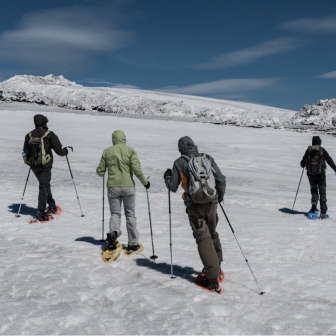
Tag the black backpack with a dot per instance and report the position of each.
(37, 151)
(315, 162)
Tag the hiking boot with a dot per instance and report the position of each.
(221, 275)
(52, 210)
(314, 207)
(41, 217)
(211, 285)
(132, 248)
(323, 216)
(111, 239)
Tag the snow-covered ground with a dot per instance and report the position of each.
(54, 281)
(58, 91)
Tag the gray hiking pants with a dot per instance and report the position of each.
(203, 220)
(126, 195)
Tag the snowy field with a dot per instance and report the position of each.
(54, 281)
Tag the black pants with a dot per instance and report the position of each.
(45, 196)
(318, 186)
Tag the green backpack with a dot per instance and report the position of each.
(36, 151)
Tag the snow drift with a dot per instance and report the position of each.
(58, 91)
(322, 114)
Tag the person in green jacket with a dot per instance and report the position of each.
(122, 162)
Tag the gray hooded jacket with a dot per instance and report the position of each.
(180, 171)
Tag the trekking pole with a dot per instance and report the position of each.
(24, 190)
(153, 257)
(297, 190)
(74, 180)
(260, 292)
(103, 240)
(172, 276)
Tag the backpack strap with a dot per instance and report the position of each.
(45, 134)
(185, 157)
(30, 135)
(45, 157)
(212, 168)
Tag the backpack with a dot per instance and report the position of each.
(315, 161)
(36, 151)
(202, 184)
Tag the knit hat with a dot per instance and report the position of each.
(40, 120)
(316, 140)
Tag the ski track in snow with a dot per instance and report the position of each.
(54, 281)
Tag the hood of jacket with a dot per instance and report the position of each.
(118, 137)
(187, 147)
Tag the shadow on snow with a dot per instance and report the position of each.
(289, 211)
(25, 209)
(93, 241)
(187, 273)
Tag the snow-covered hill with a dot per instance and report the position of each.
(321, 114)
(57, 91)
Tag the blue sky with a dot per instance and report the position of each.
(278, 53)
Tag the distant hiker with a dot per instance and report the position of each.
(315, 160)
(204, 186)
(37, 153)
(121, 161)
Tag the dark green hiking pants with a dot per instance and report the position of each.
(203, 220)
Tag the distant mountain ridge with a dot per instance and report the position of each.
(39, 80)
(58, 91)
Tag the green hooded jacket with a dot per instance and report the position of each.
(121, 161)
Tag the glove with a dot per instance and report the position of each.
(147, 186)
(66, 150)
(167, 173)
(220, 200)
(23, 154)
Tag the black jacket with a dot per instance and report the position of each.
(180, 171)
(51, 141)
(326, 157)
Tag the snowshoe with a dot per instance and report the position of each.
(112, 252)
(203, 282)
(324, 216)
(313, 215)
(133, 249)
(40, 218)
(54, 210)
(220, 278)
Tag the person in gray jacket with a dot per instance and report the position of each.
(203, 217)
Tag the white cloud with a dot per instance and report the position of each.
(311, 25)
(250, 55)
(331, 74)
(224, 86)
(63, 39)
(111, 84)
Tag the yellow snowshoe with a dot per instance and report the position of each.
(109, 255)
(133, 249)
